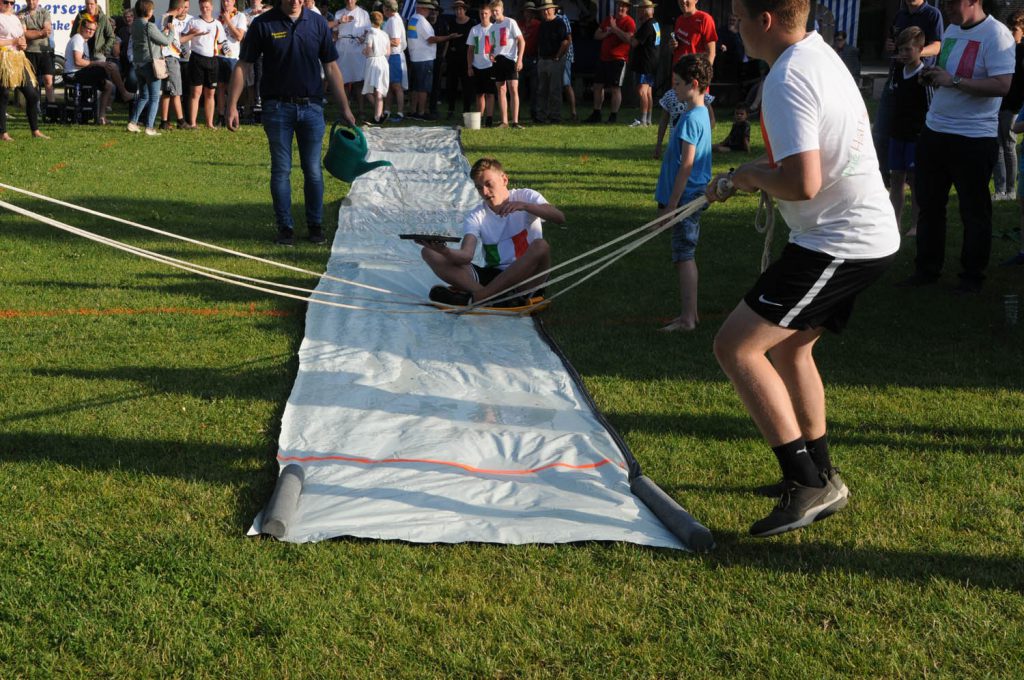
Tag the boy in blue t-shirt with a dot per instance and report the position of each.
(685, 172)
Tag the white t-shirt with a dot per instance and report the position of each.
(419, 30)
(10, 27)
(396, 31)
(504, 35)
(504, 239)
(205, 44)
(378, 43)
(174, 49)
(76, 44)
(186, 48)
(479, 40)
(812, 103)
(983, 51)
(232, 46)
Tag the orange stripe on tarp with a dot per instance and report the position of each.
(430, 461)
(125, 311)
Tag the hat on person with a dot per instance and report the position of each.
(529, 6)
(426, 4)
(644, 4)
(391, 5)
(459, 3)
(623, 2)
(547, 4)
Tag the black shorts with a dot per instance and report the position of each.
(42, 62)
(483, 81)
(610, 73)
(806, 289)
(504, 69)
(485, 275)
(93, 76)
(202, 71)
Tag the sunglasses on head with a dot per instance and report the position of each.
(6, 2)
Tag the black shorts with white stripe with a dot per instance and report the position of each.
(807, 289)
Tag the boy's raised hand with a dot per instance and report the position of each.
(509, 207)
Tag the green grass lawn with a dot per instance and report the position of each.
(140, 408)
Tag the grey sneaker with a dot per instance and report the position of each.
(775, 491)
(837, 483)
(798, 506)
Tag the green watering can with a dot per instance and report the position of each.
(346, 153)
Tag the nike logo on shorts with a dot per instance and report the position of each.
(766, 301)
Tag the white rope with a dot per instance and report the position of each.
(195, 269)
(764, 223)
(203, 244)
(656, 226)
(662, 223)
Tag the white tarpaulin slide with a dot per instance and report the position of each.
(413, 424)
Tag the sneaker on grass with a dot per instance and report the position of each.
(798, 506)
(837, 483)
(637, 123)
(775, 490)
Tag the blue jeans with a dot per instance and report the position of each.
(149, 95)
(282, 121)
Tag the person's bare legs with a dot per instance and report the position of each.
(570, 96)
(513, 95)
(793, 360)
(114, 75)
(687, 319)
(502, 103)
(459, 275)
(193, 105)
(616, 99)
(536, 259)
(48, 86)
(105, 101)
(741, 348)
(208, 105)
(399, 98)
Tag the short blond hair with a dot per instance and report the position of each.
(483, 165)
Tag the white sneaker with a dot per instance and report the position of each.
(133, 127)
(636, 123)
(151, 132)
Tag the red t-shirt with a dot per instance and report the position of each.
(612, 47)
(693, 33)
(530, 29)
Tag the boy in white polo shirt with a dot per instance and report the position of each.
(822, 169)
(507, 225)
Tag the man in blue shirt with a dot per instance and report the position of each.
(293, 42)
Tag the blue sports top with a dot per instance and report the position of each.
(292, 53)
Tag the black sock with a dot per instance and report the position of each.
(796, 463)
(818, 448)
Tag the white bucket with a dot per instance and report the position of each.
(471, 121)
